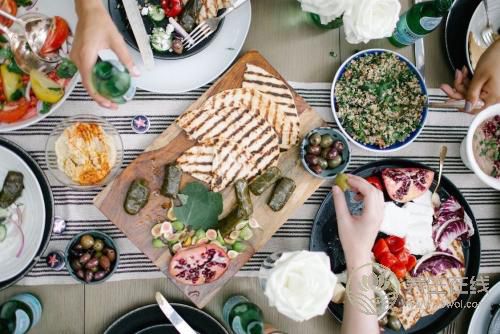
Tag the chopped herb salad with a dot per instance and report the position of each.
(379, 100)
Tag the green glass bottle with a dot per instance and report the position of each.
(420, 20)
(20, 313)
(112, 80)
(243, 316)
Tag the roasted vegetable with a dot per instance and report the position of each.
(137, 197)
(265, 180)
(12, 189)
(281, 193)
(190, 14)
(171, 181)
(243, 198)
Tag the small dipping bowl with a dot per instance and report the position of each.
(327, 174)
(108, 242)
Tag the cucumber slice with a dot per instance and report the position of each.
(161, 41)
(3, 232)
(156, 13)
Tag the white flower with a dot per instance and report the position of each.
(301, 284)
(327, 8)
(371, 19)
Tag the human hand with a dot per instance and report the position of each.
(485, 84)
(358, 233)
(96, 31)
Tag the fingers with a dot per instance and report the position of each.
(360, 185)
(452, 93)
(121, 50)
(373, 198)
(472, 95)
(340, 203)
(86, 74)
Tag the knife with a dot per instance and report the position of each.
(420, 52)
(140, 34)
(180, 324)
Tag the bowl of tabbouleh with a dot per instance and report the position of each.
(379, 100)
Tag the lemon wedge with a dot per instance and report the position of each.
(45, 89)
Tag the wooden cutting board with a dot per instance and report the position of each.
(170, 145)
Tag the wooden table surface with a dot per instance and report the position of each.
(300, 52)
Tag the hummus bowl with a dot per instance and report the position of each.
(467, 148)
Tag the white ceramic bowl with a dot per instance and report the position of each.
(467, 150)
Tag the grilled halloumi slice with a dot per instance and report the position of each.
(259, 103)
(257, 78)
(198, 162)
(244, 127)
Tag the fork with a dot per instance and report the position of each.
(487, 33)
(207, 28)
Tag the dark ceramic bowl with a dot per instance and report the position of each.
(108, 242)
(327, 174)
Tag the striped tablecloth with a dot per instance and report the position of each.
(443, 127)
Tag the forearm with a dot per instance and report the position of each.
(354, 320)
(85, 6)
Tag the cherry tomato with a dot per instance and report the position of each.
(399, 269)
(172, 8)
(10, 6)
(376, 182)
(402, 256)
(59, 32)
(387, 259)
(14, 111)
(380, 248)
(412, 261)
(396, 244)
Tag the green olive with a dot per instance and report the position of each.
(342, 181)
(324, 152)
(98, 245)
(87, 241)
(326, 141)
(335, 162)
(315, 139)
(394, 323)
(322, 163)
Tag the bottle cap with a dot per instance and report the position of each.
(55, 260)
(140, 124)
(59, 225)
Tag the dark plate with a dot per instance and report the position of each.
(455, 33)
(159, 329)
(119, 16)
(49, 207)
(147, 317)
(325, 231)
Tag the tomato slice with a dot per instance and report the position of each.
(412, 261)
(172, 8)
(380, 248)
(396, 244)
(376, 182)
(399, 269)
(9, 6)
(14, 111)
(59, 32)
(387, 259)
(403, 256)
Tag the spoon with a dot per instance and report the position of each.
(24, 56)
(436, 201)
(36, 28)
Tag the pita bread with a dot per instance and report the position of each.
(242, 126)
(258, 103)
(279, 92)
(218, 163)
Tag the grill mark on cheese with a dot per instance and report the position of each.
(259, 82)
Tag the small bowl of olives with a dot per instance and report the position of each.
(91, 257)
(325, 153)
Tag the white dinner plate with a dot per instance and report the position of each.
(482, 315)
(65, 9)
(171, 76)
(33, 218)
(478, 23)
